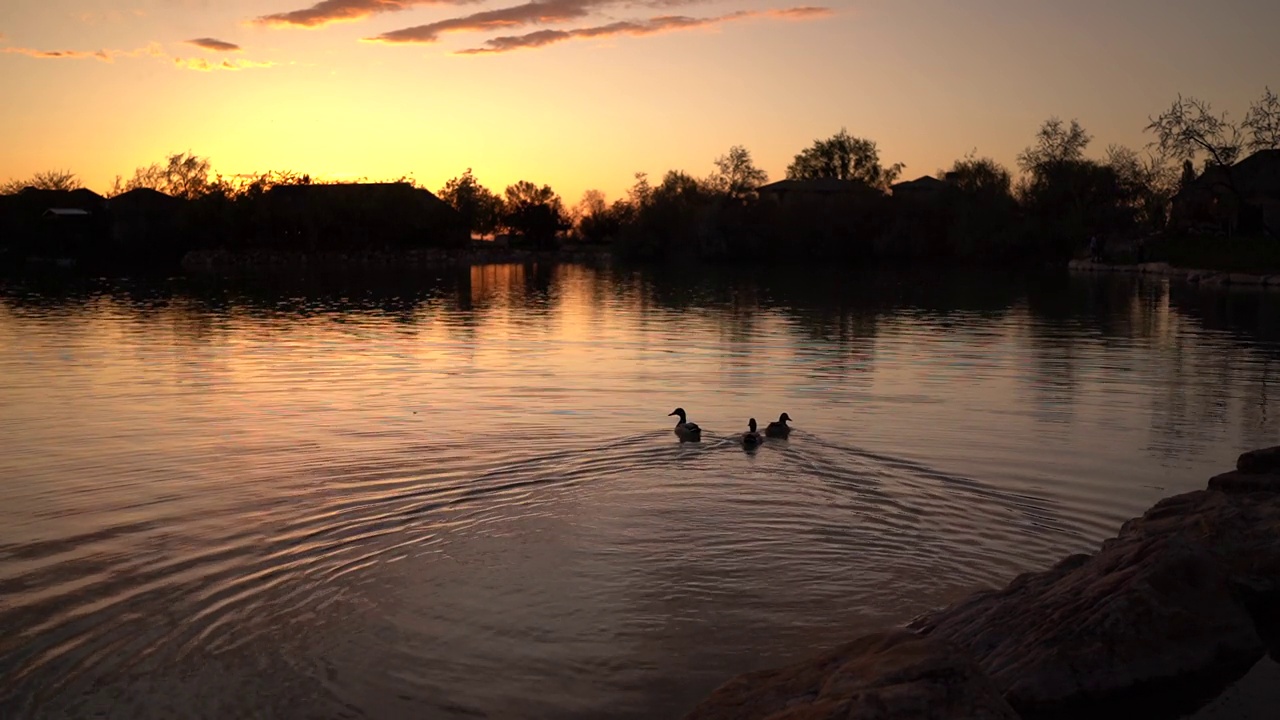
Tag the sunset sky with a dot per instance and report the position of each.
(585, 93)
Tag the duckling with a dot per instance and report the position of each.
(779, 429)
(751, 438)
(686, 430)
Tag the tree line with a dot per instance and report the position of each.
(1060, 199)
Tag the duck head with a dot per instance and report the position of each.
(677, 411)
(784, 418)
(752, 424)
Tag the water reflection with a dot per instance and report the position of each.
(458, 493)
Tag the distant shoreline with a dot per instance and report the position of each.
(222, 260)
(1207, 278)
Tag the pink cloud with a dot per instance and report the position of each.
(333, 11)
(513, 16)
(653, 26)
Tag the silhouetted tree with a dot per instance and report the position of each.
(536, 213)
(980, 177)
(1190, 128)
(639, 193)
(1145, 184)
(676, 217)
(843, 157)
(48, 180)
(182, 175)
(594, 219)
(1070, 196)
(1056, 144)
(1263, 122)
(736, 175)
(479, 206)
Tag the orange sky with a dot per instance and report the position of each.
(585, 93)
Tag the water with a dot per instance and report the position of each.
(459, 496)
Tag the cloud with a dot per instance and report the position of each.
(801, 13)
(653, 26)
(332, 11)
(540, 11)
(214, 45)
(107, 56)
(203, 65)
(154, 50)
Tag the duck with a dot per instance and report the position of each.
(751, 438)
(780, 428)
(686, 430)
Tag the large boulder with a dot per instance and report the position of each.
(1183, 601)
(1141, 620)
(1266, 460)
(898, 675)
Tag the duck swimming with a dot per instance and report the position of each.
(780, 428)
(686, 430)
(751, 438)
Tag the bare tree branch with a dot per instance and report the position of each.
(1263, 122)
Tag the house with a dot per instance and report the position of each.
(924, 187)
(144, 218)
(1243, 198)
(364, 215)
(52, 223)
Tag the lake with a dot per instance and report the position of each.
(458, 494)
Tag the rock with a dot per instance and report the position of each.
(1182, 602)
(898, 675)
(1266, 460)
(1145, 619)
(1245, 482)
(1163, 617)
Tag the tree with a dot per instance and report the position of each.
(479, 206)
(1263, 122)
(595, 220)
(48, 180)
(1144, 183)
(1190, 128)
(1056, 144)
(640, 194)
(182, 175)
(843, 157)
(535, 212)
(592, 203)
(736, 175)
(980, 177)
(1070, 196)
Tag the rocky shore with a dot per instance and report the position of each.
(1202, 277)
(1157, 622)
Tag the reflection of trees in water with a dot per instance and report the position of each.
(1054, 375)
(1204, 389)
(830, 324)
